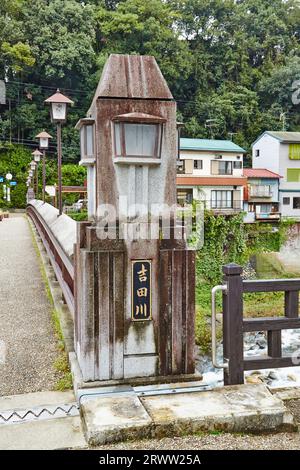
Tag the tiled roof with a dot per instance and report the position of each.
(210, 181)
(260, 173)
(286, 136)
(283, 137)
(210, 145)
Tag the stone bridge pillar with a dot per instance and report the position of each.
(134, 276)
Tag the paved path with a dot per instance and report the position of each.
(26, 330)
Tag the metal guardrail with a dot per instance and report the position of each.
(60, 261)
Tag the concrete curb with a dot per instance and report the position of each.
(241, 408)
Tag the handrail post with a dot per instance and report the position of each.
(233, 325)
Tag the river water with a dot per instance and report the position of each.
(255, 344)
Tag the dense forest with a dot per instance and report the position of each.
(231, 64)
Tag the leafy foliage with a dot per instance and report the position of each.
(234, 62)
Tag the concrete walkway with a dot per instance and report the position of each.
(28, 346)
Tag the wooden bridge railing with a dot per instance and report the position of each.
(235, 325)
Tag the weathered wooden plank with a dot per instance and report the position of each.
(118, 313)
(273, 285)
(177, 333)
(270, 324)
(165, 345)
(233, 325)
(104, 314)
(274, 343)
(291, 304)
(96, 313)
(87, 312)
(254, 363)
(190, 312)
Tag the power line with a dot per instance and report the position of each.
(46, 87)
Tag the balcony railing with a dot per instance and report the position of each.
(260, 191)
(264, 216)
(224, 206)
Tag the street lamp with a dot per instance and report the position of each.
(37, 157)
(86, 126)
(8, 177)
(58, 109)
(44, 145)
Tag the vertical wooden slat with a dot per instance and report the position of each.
(104, 355)
(165, 345)
(87, 315)
(233, 325)
(177, 333)
(184, 311)
(274, 343)
(190, 312)
(118, 312)
(96, 312)
(111, 294)
(291, 304)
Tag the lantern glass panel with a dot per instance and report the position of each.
(59, 111)
(140, 139)
(137, 140)
(82, 143)
(89, 141)
(44, 142)
(37, 158)
(118, 139)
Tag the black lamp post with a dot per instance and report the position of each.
(58, 108)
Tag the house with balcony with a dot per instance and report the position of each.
(211, 171)
(261, 195)
(279, 152)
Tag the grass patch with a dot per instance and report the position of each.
(61, 364)
(261, 304)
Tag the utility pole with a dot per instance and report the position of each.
(210, 123)
(283, 119)
(231, 134)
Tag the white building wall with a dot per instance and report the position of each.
(207, 157)
(284, 164)
(287, 210)
(203, 193)
(274, 156)
(269, 153)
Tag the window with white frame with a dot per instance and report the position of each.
(222, 199)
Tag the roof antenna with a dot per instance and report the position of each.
(283, 119)
(210, 123)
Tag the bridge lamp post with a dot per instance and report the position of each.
(8, 177)
(58, 110)
(44, 145)
(31, 173)
(37, 157)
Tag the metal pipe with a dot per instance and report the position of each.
(224, 365)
